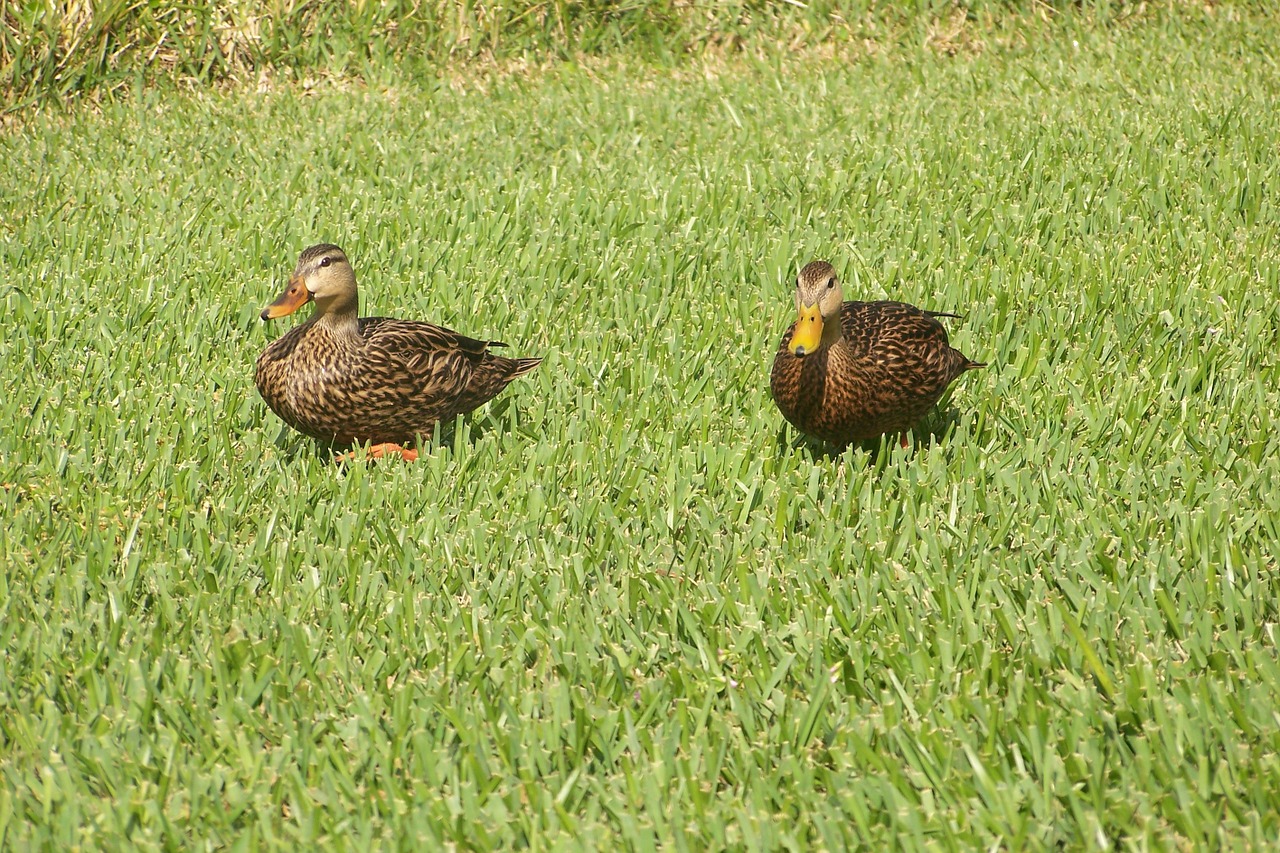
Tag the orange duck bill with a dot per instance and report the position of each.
(294, 297)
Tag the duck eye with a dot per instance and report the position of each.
(831, 282)
(324, 262)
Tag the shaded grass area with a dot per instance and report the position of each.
(60, 49)
(614, 608)
(52, 50)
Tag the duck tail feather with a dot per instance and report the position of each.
(522, 366)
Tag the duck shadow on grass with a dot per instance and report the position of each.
(470, 428)
(936, 428)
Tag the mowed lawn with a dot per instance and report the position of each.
(624, 605)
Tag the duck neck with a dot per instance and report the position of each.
(342, 324)
(832, 332)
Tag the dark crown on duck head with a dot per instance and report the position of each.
(817, 271)
(316, 252)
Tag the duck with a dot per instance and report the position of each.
(348, 380)
(854, 371)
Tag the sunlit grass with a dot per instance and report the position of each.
(622, 604)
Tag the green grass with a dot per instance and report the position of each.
(622, 605)
(54, 50)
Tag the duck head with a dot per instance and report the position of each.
(818, 306)
(324, 276)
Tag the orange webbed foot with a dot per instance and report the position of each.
(377, 451)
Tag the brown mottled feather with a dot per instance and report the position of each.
(890, 367)
(377, 379)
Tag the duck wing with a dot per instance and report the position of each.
(907, 343)
(419, 360)
(891, 329)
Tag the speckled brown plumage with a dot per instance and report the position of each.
(346, 380)
(879, 370)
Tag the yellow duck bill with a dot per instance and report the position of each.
(808, 334)
(294, 297)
